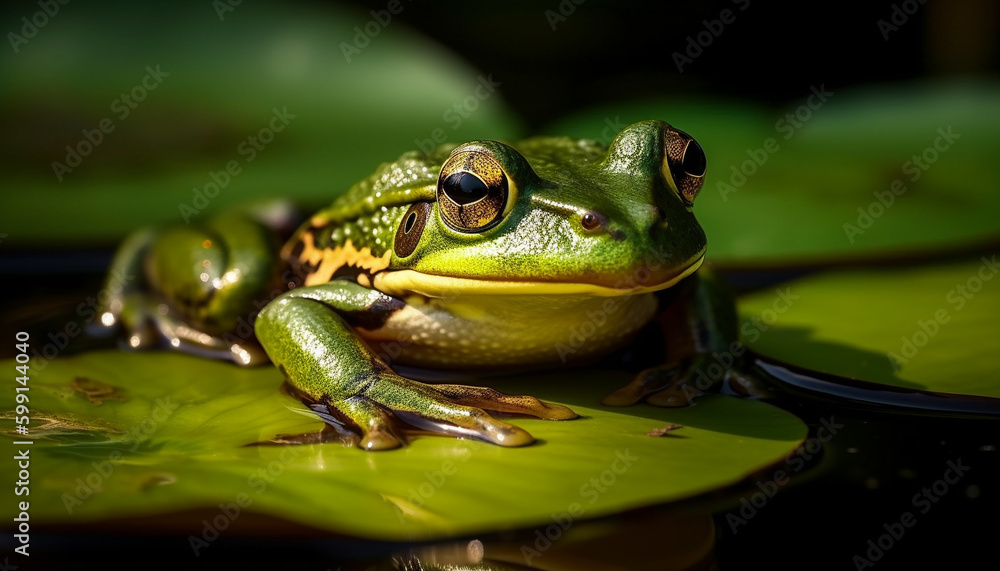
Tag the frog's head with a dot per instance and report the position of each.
(557, 215)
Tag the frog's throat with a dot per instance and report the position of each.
(405, 282)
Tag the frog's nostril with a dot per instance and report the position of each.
(591, 221)
(595, 222)
(659, 222)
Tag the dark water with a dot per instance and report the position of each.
(888, 479)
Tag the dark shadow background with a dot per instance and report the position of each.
(771, 52)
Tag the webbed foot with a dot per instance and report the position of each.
(389, 406)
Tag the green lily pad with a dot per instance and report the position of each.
(932, 327)
(176, 437)
(211, 83)
(796, 200)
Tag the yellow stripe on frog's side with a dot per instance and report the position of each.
(401, 283)
(328, 260)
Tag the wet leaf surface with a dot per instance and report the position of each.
(181, 442)
(932, 327)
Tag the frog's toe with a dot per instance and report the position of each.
(444, 417)
(247, 353)
(431, 408)
(384, 412)
(470, 422)
(679, 394)
(147, 326)
(647, 382)
(136, 317)
(490, 399)
(427, 407)
(376, 427)
(747, 385)
(379, 439)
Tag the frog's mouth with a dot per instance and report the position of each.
(404, 282)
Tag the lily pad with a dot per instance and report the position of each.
(182, 439)
(181, 89)
(795, 200)
(932, 327)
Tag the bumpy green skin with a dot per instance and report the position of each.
(337, 336)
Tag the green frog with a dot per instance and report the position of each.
(482, 256)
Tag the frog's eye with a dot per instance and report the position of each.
(683, 163)
(474, 193)
(411, 228)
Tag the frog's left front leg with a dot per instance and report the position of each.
(307, 333)
(703, 351)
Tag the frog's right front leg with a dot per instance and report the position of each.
(307, 333)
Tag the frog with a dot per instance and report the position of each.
(482, 256)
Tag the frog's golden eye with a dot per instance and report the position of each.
(474, 193)
(683, 163)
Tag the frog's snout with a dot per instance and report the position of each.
(651, 223)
